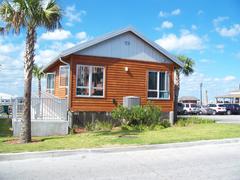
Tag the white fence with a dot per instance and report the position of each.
(46, 107)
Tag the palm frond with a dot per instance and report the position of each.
(188, 65)
(37, 71)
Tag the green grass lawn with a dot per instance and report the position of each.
(117, 137)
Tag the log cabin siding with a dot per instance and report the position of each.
(58, 91)
(118, 83)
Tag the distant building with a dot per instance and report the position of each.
(231, 97)
(189, 99)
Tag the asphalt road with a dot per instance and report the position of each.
(215, 162)
(235, 119)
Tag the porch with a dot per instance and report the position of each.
(48, 115)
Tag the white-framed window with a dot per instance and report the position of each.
(158, 85)
(90, 81)
(63, 76)
(50, 83)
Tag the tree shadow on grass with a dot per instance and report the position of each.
(52, 138)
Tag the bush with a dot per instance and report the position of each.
(99, 126)
(165, 123)
(137, 116)
(103, 126)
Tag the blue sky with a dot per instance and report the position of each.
(206, 31)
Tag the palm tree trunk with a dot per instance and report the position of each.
(176, 93)
(25, 135)
(39, 88)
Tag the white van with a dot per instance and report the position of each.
(190, 108)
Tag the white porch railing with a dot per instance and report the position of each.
(47, 107)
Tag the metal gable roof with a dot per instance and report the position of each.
(95, 41)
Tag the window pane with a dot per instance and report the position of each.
(63, 74)
(83, 76)
(83, 91)
(97, 92)
(162, 81)
(152, 80)
(164, 95)
(97, 77)
(152, 94)
(50, 81)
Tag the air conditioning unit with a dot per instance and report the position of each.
(129, 101)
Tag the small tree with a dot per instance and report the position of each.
(29, 15)
(38, 74)
(186, 71)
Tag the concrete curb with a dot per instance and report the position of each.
(59, 153)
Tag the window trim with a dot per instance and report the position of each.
(158, 89)
(59, 80)
(54, 73)
(90, 80)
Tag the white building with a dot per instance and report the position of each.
(231, 97)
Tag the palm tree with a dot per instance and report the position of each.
(29, 15)
(186, 71)
(38, 74)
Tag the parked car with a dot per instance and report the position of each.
(180, 108)
(190, 108)
(232, 108)
(204, 110)
(217, 108)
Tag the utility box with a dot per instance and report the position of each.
(129, 101)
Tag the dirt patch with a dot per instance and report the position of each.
(17, 141)
(79, 130)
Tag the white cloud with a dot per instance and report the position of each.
(194, 27)
(220, 47)
(83, 37)
(44, 56)
(207, 61)
(175, 12)
(200, 12)
(163, 14)
(186, 41)
(56, 35)
(214, 85)
(6, 96)
(219, 19)
(167, 25)
(8, 48)
(229, 32)
(229, 78)
(73, 15)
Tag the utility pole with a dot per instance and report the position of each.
(201, 84)
(206, 97)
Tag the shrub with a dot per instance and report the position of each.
(90, 126)
(103, 126)
(165, 123)
(138, 115)
(99, 126)
(152, 114)
(122, 114)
